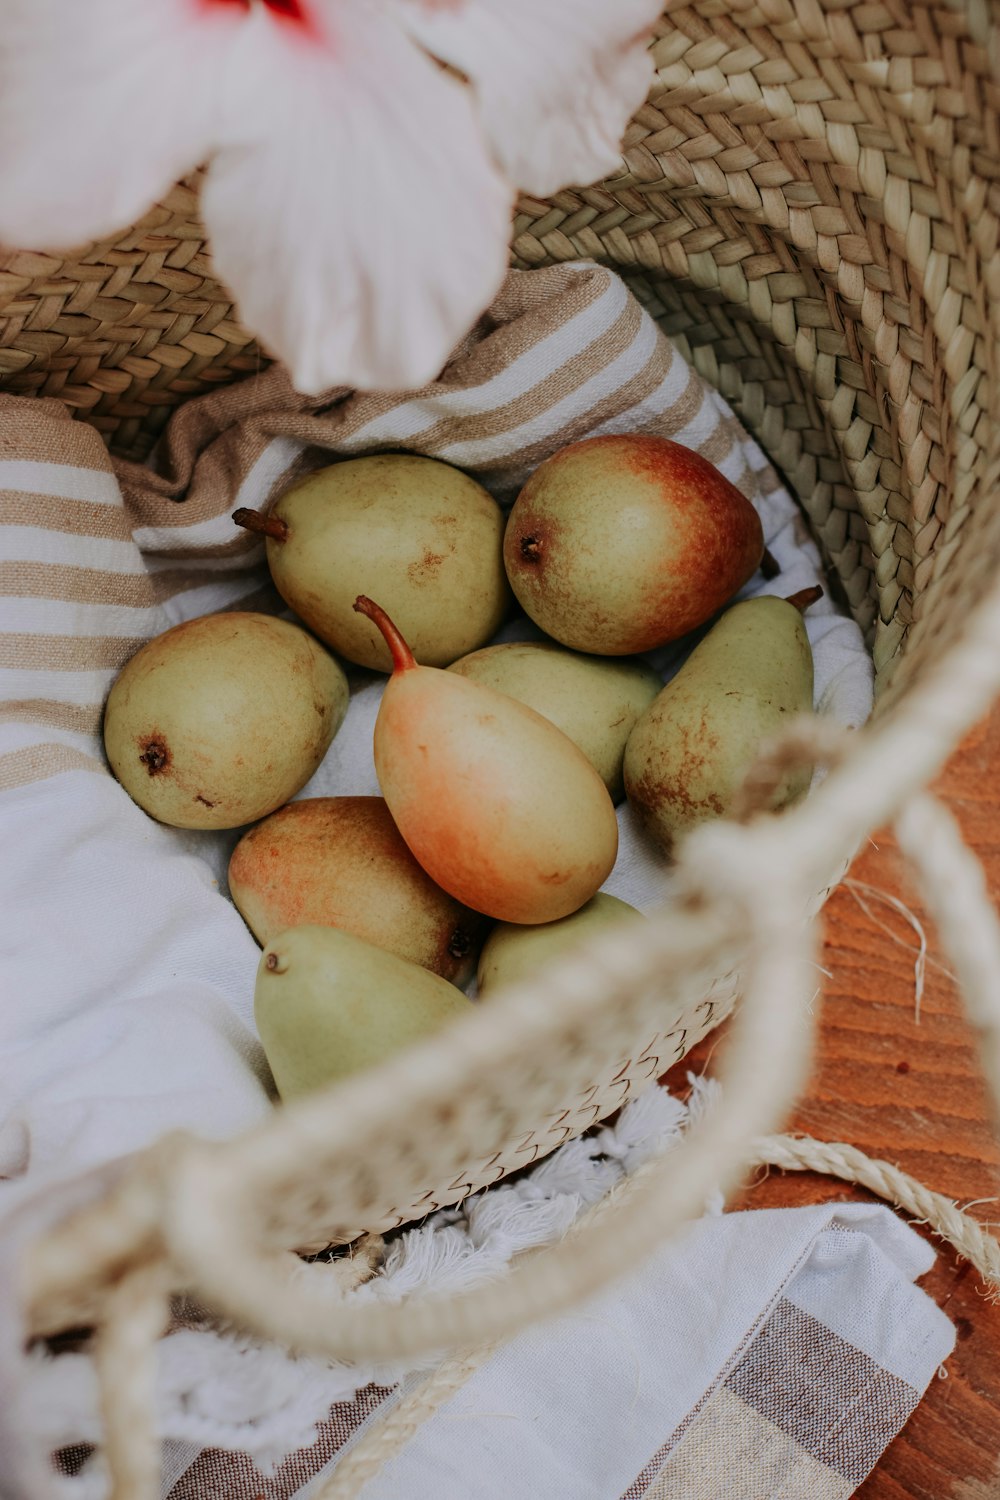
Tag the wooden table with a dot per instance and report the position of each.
(910, 1092)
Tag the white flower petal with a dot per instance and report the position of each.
(557, 80)
(362, 224)
(103, 105)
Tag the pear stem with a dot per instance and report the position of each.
(402, 656)
(805, 597)
(270, 526)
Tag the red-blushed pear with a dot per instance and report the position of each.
(341, 862)
(497, 804)
(619, 544)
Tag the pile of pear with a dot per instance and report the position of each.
(499, 765)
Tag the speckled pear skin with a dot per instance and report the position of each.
(595, 700)
(688, 754)
(513, 953)
(416, 534)
(341, 862)
(220, 720)
(498, 806)
(619, 544)
(327, 1004)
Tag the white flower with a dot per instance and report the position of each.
(358, 193)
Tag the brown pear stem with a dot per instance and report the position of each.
(402, 656)
(769, 564)
(270, 526)
(805, 597)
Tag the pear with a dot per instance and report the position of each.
(341, 862)
(498, 806)
(593, 699)
(328, 1004)
(687, 756)
(619, 544)
(513, 953)
(220, 720)
(417, 533)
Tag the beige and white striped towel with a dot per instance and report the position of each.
(770, 1355)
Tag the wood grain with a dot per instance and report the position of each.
(908, 1089)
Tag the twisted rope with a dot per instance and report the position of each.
(835, 1159)
(754, 871)
(388, 1435)
(125, 1360)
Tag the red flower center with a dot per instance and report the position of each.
(292, 9)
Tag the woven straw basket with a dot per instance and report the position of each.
(809, 205)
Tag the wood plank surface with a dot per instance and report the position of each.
(908, 1089)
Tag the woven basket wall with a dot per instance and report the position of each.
(809, 206)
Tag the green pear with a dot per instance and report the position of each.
(219, 721)
(618, 544)
(409, 530)
(498, 805)
(689, 753)
(513, 953)
(341, 862)
(595, 700)
(328, 1004)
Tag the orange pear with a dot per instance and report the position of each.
(497, 804)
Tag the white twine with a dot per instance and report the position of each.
(861, 890)
(135, 1317)
(953, 888)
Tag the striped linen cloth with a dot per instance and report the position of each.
(128, 975)
(770, 1355)
(781, 1375)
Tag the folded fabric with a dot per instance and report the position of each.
(769, 1356)
(764, 1354)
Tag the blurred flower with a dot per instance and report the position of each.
(362, 155)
